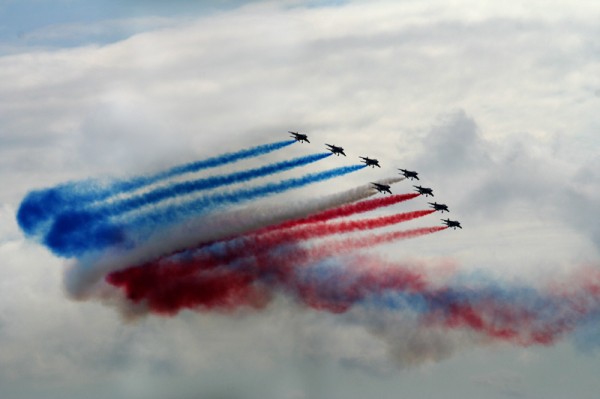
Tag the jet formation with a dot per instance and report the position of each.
(385, 188)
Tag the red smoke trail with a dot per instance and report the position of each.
(350, 244)
(496, 320)
(344, 210)
(506, 313)
(321, 229)
(498, 312)
(170, 285)
(517, 317)
(252, 244)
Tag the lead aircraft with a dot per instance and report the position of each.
(335, 149)
(370, 162)
(299, 136)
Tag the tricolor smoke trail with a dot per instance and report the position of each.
(248, 245)
(347, 210)
(179, 281)
(213, 202)
(39, 206)
(157, 195)
(207, 244)
(79, 230)
(519, 314)
(76, 233)
(82, 279)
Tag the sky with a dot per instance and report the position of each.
(494, 103)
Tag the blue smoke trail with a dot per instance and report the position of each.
(76, 233)
(90, 221)
(189, 187)
(219, 160)
(176, 213)
(94, 225)
(513, 312)
(40, 206)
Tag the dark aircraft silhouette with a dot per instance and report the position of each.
(299, 136)
(424, 190)
(382, 188)
(335, 149)
(452, 223)
(439, 207)
(409, 174)
(370, 162)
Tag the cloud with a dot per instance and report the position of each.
(496, 104)
(505, 382)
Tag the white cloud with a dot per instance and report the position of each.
(496, 104)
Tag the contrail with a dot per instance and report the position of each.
(257, 244)
(507, 312)
(205, 204)
(40, 206)
(67, 238)
(99, 228)
(212, 227)
(213, 162)
(327, 209)
(522, 315)
(188, 187)
(220, 251)
(158, 282)
(345, 210)
(253, 244)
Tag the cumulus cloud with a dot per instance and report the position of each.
(495, 104)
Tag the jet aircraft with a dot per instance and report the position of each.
(299, 136)
(382, 188)
(452, 223)
(424, 190)
(409, 174)
(439, 207)
(370, 162)
(335, 149)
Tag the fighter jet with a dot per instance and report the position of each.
(382, 188)
(409, 174)
(439, 207)
(424, 190)
(452, 223)
(335, 149)
(299, 136)
(370, 162)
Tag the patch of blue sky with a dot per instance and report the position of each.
(70, 23)
(320, 3)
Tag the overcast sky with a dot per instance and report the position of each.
(494, 103)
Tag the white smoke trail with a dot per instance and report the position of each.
(84, 278)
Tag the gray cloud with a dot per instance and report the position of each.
(496, 105)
